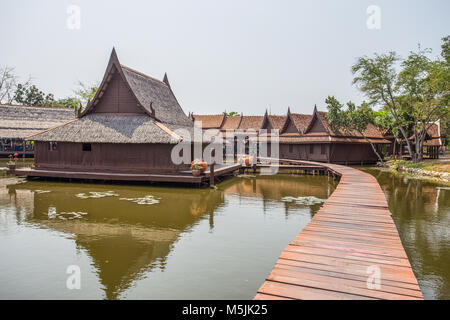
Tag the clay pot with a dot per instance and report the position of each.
(247, 161)
(196, 172)
(203, 165)
(12, 166)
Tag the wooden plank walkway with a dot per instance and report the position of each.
(348, 239)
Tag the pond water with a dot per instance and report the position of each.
(421, 211)
(141, 242)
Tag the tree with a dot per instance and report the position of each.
(232, 114)
(69, 102)
(416, 96)
(377, 78)
(8, 81)
(350, 120)
(425, 85)
(85, 93)
(29, 95)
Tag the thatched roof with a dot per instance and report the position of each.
(210, 121)
(231, 123)
(21, 121)
(300, 121)
(158, 95)
(251, 122)
(161, 113)
(433, 135)
(113, 128)
(277, 122)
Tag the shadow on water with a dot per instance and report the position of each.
(421, 211)
(142, 242)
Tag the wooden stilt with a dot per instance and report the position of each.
(211, 176)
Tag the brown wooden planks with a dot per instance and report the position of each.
(332, 257)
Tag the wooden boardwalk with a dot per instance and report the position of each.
(348, 241)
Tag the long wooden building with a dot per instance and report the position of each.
(316, 141)
(128, 127)
(307, 137)
(18, 122)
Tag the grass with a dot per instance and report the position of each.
(424, 165)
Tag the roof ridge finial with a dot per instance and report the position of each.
(289, 110)
(152, 109)
(166, 79)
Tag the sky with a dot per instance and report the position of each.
(245, 56)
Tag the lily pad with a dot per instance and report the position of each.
(96, 194)
(147, 200)
(307, 201)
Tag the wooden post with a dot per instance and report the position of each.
(211, 169)
(23, 150)
(211, 176)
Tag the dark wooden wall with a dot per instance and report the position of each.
(117, 98)
(303, 152)
(107, 157)
(334, 153)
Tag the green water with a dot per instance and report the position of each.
(421, 211)
(142, 242)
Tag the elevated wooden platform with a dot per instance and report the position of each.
(347, 244)
(181, 177)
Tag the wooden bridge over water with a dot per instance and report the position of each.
(349, 250)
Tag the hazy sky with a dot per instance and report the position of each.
(229, 55)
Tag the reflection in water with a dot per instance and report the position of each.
(421, 211)
(191, 243)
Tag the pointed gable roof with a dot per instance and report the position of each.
(155, 97)
(371, 131)
(298, 120)
(161, 116)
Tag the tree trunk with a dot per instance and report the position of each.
(408, 143)
(373, 148)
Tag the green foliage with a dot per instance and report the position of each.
(401, 164)
(446, 48)
(352, 119)
(85, 93)
(30, 95)
(69, 102)
(376, 77)
(415, 96)
(232, 114)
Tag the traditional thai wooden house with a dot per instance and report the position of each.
(128, 127)
(17, 122)
(316, 141)
(432, 143)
